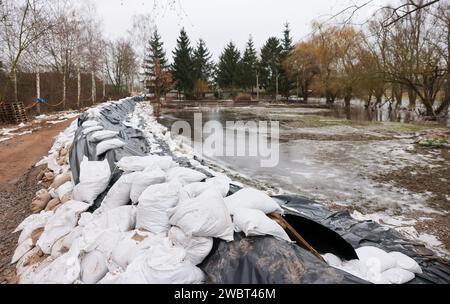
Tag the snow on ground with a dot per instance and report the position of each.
(7, 133)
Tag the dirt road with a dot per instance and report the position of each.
(18, 185)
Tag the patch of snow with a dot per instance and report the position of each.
(5, 139)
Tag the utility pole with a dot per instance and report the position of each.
(276, 89)
(257, 86)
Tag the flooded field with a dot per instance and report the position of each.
(369, 164)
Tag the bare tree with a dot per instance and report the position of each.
(120, 65)
(22, 24)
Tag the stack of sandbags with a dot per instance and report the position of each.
(377, 266)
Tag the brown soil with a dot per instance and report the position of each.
(18, 185)
(20, 153)
(434, 180)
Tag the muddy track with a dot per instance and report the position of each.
(18, 186)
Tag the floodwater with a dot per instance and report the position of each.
(367, 164)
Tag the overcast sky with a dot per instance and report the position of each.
(219, 21)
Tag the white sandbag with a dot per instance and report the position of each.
(130, 246)
(28, 273)
(90, 123)
(144, 180)
(256, 223)
(119, 194)
(22, 249)
(106, 242)
(252, 199)
(332, 260)
(33, 218)
(32, 223)
(120, 219)
(220, 184)
(405, 262)
(64, 270)
(197, 248)
(58, 248)
(162, 265)
(102, 135)
(140, 163)
(92, 129)
(185, 175)
(153, 206)
(123, 254)
(93, 267)
(94, 179)
(24, 263)
(64, 189)
(205, 216)
(60, 224)
(69, 239)
(374, 259)
(398, 276)
(109, 144)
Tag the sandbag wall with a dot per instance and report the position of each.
(178, 185)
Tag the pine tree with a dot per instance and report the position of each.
(249, 65)
(287, 40)
(228, 68)
(203, 66)
(270, 67)
(285, 84)
(155, 53)
(182, 67)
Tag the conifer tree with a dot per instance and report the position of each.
(270, 67)
(182, 67)
(203, 66)
(155, 54)
(228, 71)
(249, 65)
(285, 84)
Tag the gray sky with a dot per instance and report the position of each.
(219, 21)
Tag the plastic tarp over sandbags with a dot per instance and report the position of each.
(266, 260)
(185, 175)
(144, 180)
(256, 223)
(119, 194)
(154, 203)
(197, 248)
(252, 199)
(60, 224)
(94, 179)
(205, 216)
(140, 163)
(162, 264)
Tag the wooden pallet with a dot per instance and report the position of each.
(13, 113)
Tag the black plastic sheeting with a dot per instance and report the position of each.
(265, 260)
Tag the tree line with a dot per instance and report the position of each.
(56, 50)
(61, 42)
(391, 56)
(194, 73)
